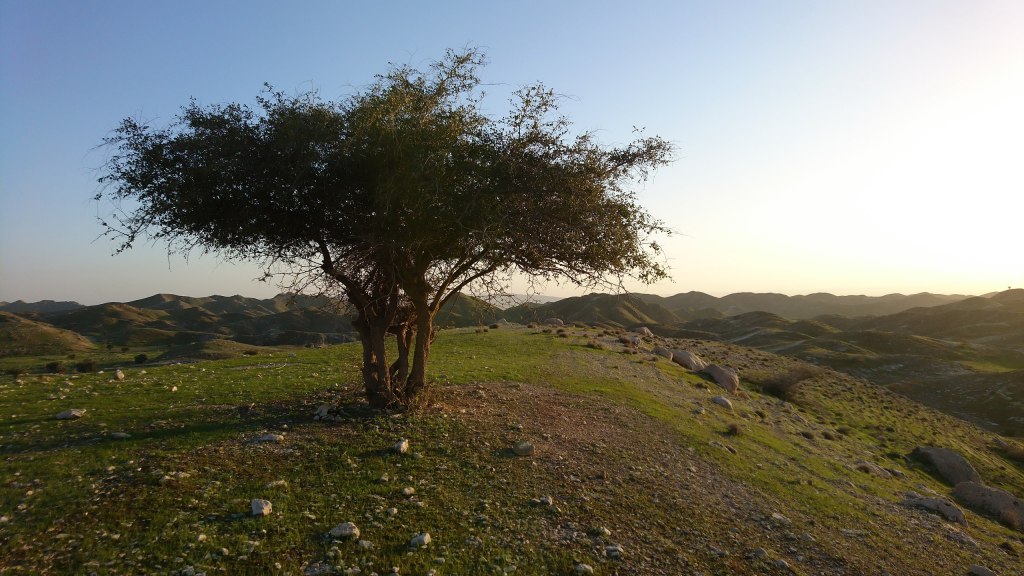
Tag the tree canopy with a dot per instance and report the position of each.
(400, 196)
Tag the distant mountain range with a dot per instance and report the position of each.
(964, 355)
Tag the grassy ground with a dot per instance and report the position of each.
(623, 442)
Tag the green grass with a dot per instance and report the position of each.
(76, 500)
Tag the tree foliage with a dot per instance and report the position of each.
(399, 196)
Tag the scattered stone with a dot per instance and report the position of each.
(554, 322)
(584, 568)
(613, 551)
(173, 477)
(322, 412)
(408, 491)
(950, 466)
(365, 544)
(946, 509)
(978, 570)
(547, 500)
(780, 563)
(276, 484)
(645, 331)
(271, 438)
(602, 532)
(71, 414)
(261, 507)
(319, 569)
(688, 360)
(119, 375)
(781, 520)
(873, 469)
(402, 446)
(958, 536)
(523, 448)
(724, 377)
(345, 530)
(1004, 506)
(420, 541)
(120, 435)
(392, 511)
(722, 401)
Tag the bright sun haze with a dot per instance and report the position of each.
(845, 147)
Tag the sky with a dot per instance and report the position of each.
(849, 146)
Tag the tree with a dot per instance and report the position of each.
(397, 198)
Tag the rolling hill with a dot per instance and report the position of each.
(22, 337)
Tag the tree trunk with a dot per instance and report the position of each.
(377, 380)
(417, 380)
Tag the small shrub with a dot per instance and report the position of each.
(733, 429)
(784, 385)
(124, 348)
(493, 326)
(54, 368)
(249, 352)
(547, 330)
(86, 366)
(14, 372)
(563, 335)
(141, 359)
(531, 325)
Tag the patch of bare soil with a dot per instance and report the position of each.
(671, 511)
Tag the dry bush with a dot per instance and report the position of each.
(595, 345)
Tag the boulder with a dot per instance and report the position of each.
(71, 414)
(402, 446)
(994, 502)
(554, 322)
(662, 351)
(947, 464)
(645, 331)
(688, 360)
(722, 401)
(420, 541)
(523, 448)
(261, 507)
(724, 377)
(345, 530)
(119, 375)
(942, 507)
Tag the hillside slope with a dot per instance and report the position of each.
(22, 337)
(635, 469)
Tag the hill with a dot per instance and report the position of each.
(42, 306)
(622, 310)
(963, 357)
(635, 469)
(688, 305)
(22, 337)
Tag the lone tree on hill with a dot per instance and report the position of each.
(395, 198)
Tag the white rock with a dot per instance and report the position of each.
(584, 569)
(261, 507)
(273, 438)
(613, 551)
(722, 401)
(120, 435)
(345, 530)
(71, 414)
(119, 375)
(408, 491)
(420, 540)
(645, 331)
(402, 446)
(277, 484)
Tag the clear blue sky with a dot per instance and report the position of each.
(843, 146)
